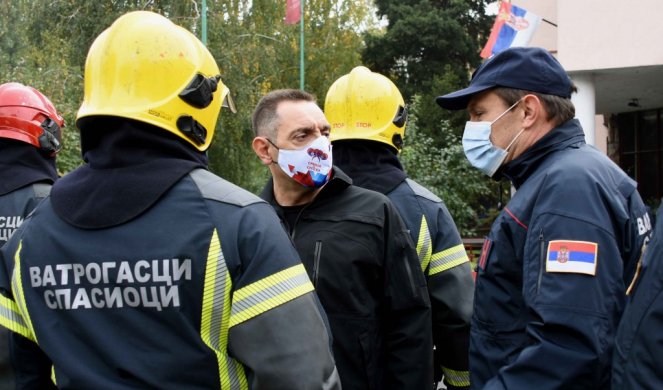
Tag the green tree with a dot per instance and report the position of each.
(430, 48)
(44, 44)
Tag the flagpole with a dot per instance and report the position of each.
(301, 45)
(203, 33)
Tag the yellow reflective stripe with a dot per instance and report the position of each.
(216, 314)
(19, 296)
(456, 378)
(268, 293)
(53, 375)
(424, 247)
(11, 318)
(447, 259)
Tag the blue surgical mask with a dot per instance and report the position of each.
(480, 152)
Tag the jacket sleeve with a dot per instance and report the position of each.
(409, 325)
(276, 326)
(32, 368)
(573, 305)
(451, 290)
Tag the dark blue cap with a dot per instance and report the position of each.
(527, 68)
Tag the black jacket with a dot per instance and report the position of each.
(361, 259)
(375, 166)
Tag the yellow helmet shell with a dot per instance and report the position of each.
(366, 105)
(137, 69)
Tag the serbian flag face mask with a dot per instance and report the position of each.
(311, 165)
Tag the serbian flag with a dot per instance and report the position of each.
(292, 11)
(579, 257)
(513, 27)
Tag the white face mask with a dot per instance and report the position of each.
(310, 166)
(480, 152)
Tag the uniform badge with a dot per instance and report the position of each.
(579, 257)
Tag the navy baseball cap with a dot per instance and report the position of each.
(527, 68)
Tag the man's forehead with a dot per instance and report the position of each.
(483, 100)
(300, 114)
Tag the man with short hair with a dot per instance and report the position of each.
(354, 246)
(545, 317)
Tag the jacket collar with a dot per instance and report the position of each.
(568, 134)
(370, 164)
(339, 182)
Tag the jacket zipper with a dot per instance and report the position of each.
(541, 261)
(316, 262)
(408, 270)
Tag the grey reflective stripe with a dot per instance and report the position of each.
(215, 188)
(218, 298)
(422, 191)
(216, 315)
(269, 293)
(41, 189)
(447, 259)
(7, 314)
(456, 378)
(424, 249)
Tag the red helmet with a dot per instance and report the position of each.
(27, 115)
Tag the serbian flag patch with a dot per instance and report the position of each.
(579, 257)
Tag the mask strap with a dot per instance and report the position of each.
(274, 145)
(514, 139)
(507, 110)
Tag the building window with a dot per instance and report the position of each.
(641, 151)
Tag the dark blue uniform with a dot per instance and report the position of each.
(552, 274)
(638, 356)
(199, 291)
(14, 207)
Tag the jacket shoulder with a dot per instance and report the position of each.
(213, 187)
(422, 191)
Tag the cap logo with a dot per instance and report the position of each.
(363, 124)
(338, 125)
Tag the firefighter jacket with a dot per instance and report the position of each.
(14, 207)
(202, 290)
(362, 262)
(442, 256)
(638, 357)
(26, 176)
(552, 273)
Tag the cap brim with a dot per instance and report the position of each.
(459, 100)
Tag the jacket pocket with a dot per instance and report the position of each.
(542, 261)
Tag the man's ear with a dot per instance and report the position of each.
(533, 110)
(261, 148)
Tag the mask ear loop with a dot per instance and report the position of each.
(274, 145)
(514, 140)
(507, 110)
